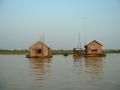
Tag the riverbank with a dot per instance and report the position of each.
(19, 52)
(54, 52)
(2, 51)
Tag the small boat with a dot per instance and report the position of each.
(27, 56)
(65, 54)
(77, 52)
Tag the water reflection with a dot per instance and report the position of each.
(91, 66)
(40, 69)
(78, 62)
(94, 66)
(77, 58)
(79, 67)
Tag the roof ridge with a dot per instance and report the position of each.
(39, 42)
(94, 41)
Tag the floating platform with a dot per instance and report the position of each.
(28, 56)
(94, 55)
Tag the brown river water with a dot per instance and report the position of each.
(60, 73)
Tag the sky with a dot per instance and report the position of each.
(23, 23)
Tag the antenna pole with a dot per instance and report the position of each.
(42, 45)
(43, 38)
(79, 41)
(85, 29)
(39, 37)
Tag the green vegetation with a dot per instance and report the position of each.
(112, 51)
(13, 51)
(19, 52)
(54, 52)
(62, 52)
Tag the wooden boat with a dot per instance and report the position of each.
(77, 52)
(65, 54)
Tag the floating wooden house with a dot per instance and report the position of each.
(94, 48)
(77, 52)
(39, 50)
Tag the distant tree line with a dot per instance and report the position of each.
(62, 52)
(2, 51)
(54, 52)
(112, 51)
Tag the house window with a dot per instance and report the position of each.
(38, 51)
(94, 50)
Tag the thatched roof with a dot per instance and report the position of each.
(39, 42)
(93, 42)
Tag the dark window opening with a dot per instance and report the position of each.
(94, 50)
(38, 51)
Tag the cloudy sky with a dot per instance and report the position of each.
(22, 23)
